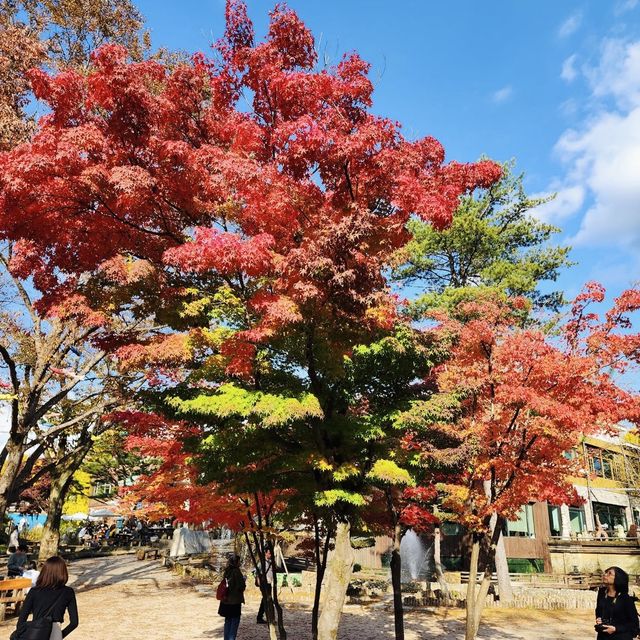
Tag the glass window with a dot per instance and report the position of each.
(450, 529)
(103, 489)
(523, 526)
(555, 526)
(606, 464)
(610, 515)
(577, 519)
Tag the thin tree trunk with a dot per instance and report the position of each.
(335, 589)
(396, 575)
(470, 604)
(259, 562)
(502, 570)
(437, 563)
(10, 470)
(282, 632)
(321, 555)
(51, 531)
(476, 600)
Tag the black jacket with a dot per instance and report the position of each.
(621, 612)
(39, 601)
(231, 606)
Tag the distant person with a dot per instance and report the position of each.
(31, 572)
(616, 615)
(51, 598)
(600, 533)
(231, 606)
(14, 540)
(22, 525)
(618, 531)
(268, 574)
(17, 561)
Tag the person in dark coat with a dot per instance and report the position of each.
(51, 591)
(616, 615)
(231, 606)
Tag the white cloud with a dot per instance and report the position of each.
(602, 155)
(570, 25)
(569, 108)
(618, 74)
(502, 95)
(624, 6)
(567, 202)
(569, 71)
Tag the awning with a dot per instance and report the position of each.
(607, 496)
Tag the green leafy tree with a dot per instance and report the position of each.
(493, 241)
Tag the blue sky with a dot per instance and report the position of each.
(555, 85)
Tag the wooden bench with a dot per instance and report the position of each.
(144, 554)
(12, 594)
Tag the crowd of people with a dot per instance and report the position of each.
(119, 534)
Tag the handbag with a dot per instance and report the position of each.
(38, 629)
(221, 591)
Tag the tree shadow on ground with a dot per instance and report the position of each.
(107, 572)
(419, 625)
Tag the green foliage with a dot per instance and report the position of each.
(232, 401)
(493, 241)
(110, 461)
(388, 472)
(330, 497)
(384, 369)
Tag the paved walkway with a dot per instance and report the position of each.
(120, 597)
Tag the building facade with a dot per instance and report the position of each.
(561, 539)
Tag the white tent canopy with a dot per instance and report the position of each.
(75, 517)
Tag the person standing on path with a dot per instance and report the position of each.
(14, 538)
(268, 574)
(231, 605)
(51, 597)
(616, 615)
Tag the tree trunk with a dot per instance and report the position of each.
(51, 531)
(321, 554)
(470, 604)
(282, 632)
(505, 589)
(476, 599)
(335, 589)
(396, 575)
(10, 470)
(437, 564)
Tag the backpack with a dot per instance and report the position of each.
(222, 590)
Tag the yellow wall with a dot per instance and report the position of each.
(563, 562)
(78, 501)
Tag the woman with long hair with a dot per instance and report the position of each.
(50, 598)
(616, 615)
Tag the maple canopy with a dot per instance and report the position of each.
(308, 190)
(511, 401)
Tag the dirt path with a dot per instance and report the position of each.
(119, 598)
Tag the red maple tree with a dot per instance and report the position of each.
(308, 189)
(514, 401)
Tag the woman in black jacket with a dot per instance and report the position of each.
(51, 598)
(616, 615)
(231, 606)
